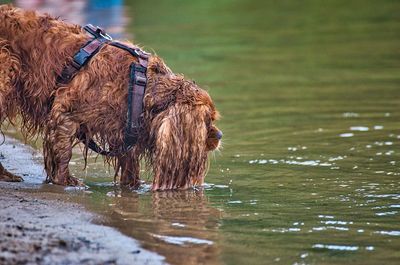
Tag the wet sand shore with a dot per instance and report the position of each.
(39, 227)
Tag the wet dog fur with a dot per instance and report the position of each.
(177, 132)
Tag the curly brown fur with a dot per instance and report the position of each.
(177, 130)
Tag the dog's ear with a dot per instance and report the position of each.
(180, 155)
(203, 98)
(164, 91)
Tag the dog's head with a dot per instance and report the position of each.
(180, 127)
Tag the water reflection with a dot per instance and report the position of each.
(181, 226)
(109, 15)
(311, 118)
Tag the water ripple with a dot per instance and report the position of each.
(346, 135)
(336, 247)
(391, 196)
(178, 225)
(292, 162)
(326, 216)
(389, 233)
(234, 202)
(332, 222)
(283, 230)
(177, 240)
(323, 228)
(341, 247)
(386, 213)
(359, 128)
(350, 115)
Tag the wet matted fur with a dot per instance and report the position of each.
(178, 130)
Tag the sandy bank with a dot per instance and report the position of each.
(38, 227)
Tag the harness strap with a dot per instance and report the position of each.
(84, 54)
(92, 144)
(136, 87)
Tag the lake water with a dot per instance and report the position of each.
(309, 92)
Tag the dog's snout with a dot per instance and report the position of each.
(219, 135)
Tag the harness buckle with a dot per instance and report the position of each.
(76, 65)
(81, 57)
(140, 68)
(104, 35)
(141, 81)
(97, 32)
(142, 54)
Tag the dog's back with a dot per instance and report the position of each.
(33, 50)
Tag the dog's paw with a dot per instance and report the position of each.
(8, 177)
(132, 183)
(69, 181)
(72, 181)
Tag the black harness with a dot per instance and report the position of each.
(136, 87)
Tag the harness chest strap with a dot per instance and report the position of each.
(136, 87)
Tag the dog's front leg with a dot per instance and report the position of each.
(59, 137)
(129, 164)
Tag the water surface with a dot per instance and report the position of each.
(309, 169)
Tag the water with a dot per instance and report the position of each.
(309, 170)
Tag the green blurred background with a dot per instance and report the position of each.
(309, 96)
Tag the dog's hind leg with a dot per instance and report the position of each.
(9, 68)
(7, 176)
(59, 137)
(129, 164)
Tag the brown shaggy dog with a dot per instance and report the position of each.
(177, 131)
